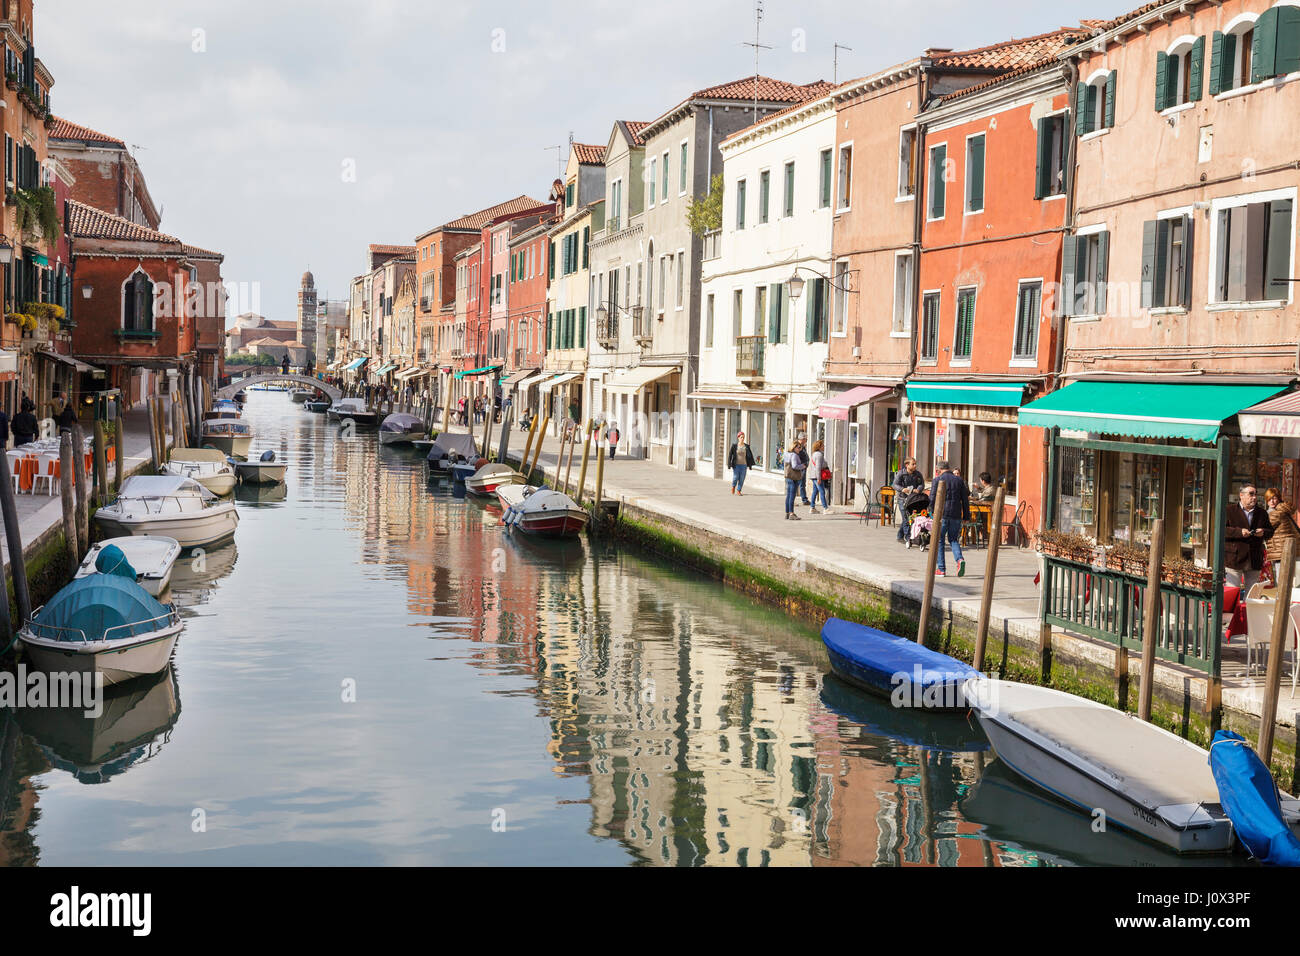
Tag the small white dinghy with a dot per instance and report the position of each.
(267, 470)
(179, 508)
(540, 511)
(490, 477)
(152, 555)
(207, 466)
(1145, 779)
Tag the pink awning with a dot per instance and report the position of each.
(839, 405)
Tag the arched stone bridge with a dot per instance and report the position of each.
(266, 377)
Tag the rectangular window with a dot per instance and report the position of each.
(824, 180)
(1178, 74)
(930, 326)
(789, 190)
(706, 434)
(902, 294)
(681, 279)
(1253, 252)
(708, 321)
(681, 171)
(1028, 316)
(816, 325)
(964, 333)
(1083, 273)
(975, 173)
(615, 205)
(841, 297)
(760, 309)
(778, 313)
(654, 167)
(1049, 179)
(627, 286)
(938, 186)
(568, 195)
(764, 192)
(1166, 259)
(663, 281)
(586, 238)
(845, 177)
(663, 194)
(740, 204)
(907, 161)
(737, 312)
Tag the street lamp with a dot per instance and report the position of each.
(6, 253)
(86, 290)
(794, 284)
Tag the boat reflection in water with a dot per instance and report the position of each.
(951, 733)
(197, 571)
(135, 722)
(251, 494)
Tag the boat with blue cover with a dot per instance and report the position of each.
(103, 623)
(1250, 799)
(908, 673)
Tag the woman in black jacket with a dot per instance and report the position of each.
(739, 459)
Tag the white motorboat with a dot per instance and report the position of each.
(490, 477)
(400, 428)
(540, 511)
(207, 466)
(1145, 779)
(351, 408)
(228, 435)
(265, 471)
(317, 405)
(301, 395)
(105, 624)
(152, 555)
(168, 505)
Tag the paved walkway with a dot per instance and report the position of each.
(867, 553)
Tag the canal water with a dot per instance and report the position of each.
(374, 672)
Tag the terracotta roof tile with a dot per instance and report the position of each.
(380, 248)
(812, 91)
(634, 128)
(66, 129)
(1045, 49)
(477, 220)
(774, 91)
(589, 155)
(1010, 54)
(198, 253)
(87, 222)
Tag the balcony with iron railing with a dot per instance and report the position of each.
(712, 244)
(642, 326)
(606, 329)
(749, 357)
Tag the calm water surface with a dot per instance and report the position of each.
(375, 673)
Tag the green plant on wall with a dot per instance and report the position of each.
(705, 214)
(37, 207)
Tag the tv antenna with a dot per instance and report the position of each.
(758, 19)
(835, 68)
(559, 160)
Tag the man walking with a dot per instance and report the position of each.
(956, 509)
(907, 481)
(1247, 529)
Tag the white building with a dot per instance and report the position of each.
(764, 338)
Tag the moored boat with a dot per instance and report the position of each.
(540, 511)
(352, 408)
(400, 428)
(1145, 779)
(151, 555)
(318, 405)
(168, 505)
(487, 479)
(105, 624)
(227, 435)
(908, 673)
(301, 395)
(267, 470)
(207, 466)
(448, 449)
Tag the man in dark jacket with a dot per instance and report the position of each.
(907, 482)
(803, 475)
(25, 427)
(67, 417)
(956, 509)
(1247, 528)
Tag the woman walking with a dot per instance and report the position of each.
(821, 479)
(794, 472)
(613, 436)
(739, 459)
(1281, 515)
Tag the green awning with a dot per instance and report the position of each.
(478, 371)
(998, 394)
(1145, 409)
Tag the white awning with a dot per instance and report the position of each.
(735, 396)
(638, 378)
(411, 372)
(530, 382)
(516, 377)
(558, 380)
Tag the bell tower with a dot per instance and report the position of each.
(307, 313)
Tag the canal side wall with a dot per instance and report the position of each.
(815, 586)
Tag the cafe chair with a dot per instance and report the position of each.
(885, 502)
(1259, 632)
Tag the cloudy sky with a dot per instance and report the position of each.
(292, 133)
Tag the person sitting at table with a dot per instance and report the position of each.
(1281, 515)
(1248, 528)
(24, 427)
(986, 490)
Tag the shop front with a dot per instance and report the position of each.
(722, 415)
(866, 440)
(1122, 455)
(642, 401)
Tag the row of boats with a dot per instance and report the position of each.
(1114, 767)
(109, 619)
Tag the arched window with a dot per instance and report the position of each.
(1178, 72)
(1094, 105)
(1275, 42)
(137, 303)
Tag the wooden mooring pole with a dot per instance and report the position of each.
(101, 465)
(598, 506)
(14, 541)
(528, 446)
(990, 571)
(119, 449)
(1150, 624)
(932, 560)
(537, 452)
(568, 468)
(153, 437)
(586, 453)
(1281, 626)
(83, 495)
(66, 476)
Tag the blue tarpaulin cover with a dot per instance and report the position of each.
(95, 603)
(882, 662)
(111, 560)
(1249, 797)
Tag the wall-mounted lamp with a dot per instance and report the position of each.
(86, 290)
(6, 253)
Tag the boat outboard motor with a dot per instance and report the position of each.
(268, 455)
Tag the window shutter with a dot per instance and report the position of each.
(1103, 255)
(938, 187)
(550, 264)
(810, 317)
(1263, 54)
(1068, 277)
(1196, 63)
(1044, 170)
(1081, 109)
(550, 321)
(1288, 40)
(774, 314)
(582, 326)
(1160, 273)
(586, 237)
(1149, 237)
(1162, 81)
(975, 175)
(1216, 63)
(1110, 99)
(1189, 258)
